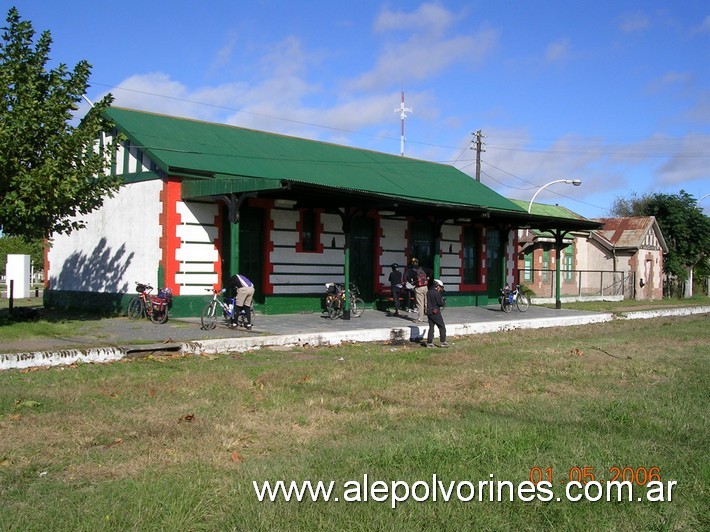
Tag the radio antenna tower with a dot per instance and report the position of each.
(402, 110)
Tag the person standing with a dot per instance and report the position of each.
(435, 303)
(396, 280)
(244, 298)
(421, 284)
(410, 283)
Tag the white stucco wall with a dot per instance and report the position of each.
(451, 256)
(303, 272)
(118, 246)
(393, 243)
(197, 254)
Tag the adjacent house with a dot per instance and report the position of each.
(623, 259)
(202, 201)
(634, 245)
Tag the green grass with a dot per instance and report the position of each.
(628, 305)
(175, 442)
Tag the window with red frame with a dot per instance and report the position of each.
(471, 243)
(309, 231)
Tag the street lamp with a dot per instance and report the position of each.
(575, 182)
(559, 235)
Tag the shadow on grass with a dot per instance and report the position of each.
(29, 311)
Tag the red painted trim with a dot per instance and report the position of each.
(318, 231)
(480, 254)
(268, 287)
(169, 221)
(514, 258)
(268, 269)
(218, 242)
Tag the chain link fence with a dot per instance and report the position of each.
(580, 284)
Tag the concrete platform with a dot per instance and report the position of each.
(128, 337)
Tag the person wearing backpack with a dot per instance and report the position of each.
(421, 286)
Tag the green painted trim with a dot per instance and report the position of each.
(115, 304)
(301, 304)
(139, 177)
(100, 303)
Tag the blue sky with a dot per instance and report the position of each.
(616, 94)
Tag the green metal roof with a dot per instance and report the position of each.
(221, 158)
(549, 211)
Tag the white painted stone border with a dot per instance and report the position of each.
(64, 357)
(251, 343)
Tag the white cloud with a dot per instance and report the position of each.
(687, 162)
(704, 26)
(631, 22)
(431, 18)
(557, 51)
(669, 80)
(421, 44)
(224, 54)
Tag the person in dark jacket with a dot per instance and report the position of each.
(410, 283)
(396, 280)
(436, 302)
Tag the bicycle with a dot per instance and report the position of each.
(515, 296)
(146, 305)
(335, 300)
(209, 314)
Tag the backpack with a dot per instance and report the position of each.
(422, 278)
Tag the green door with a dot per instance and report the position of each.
(362, 255)
(494, 264)
(251, 248)
(421, 242)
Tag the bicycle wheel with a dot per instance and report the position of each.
(242, 318)
(208, 317)
(522, 302)
(331, 310)
(159, 314)
(357, 307)
(505, 304)
(135, 308)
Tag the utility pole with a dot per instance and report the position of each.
(479, 149)
(402, 110)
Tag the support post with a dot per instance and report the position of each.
(346, 275)
(346, 218)
(437, 248)
(558, 251)
(234, 203)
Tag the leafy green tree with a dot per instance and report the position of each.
(19, 245)
(51, 172)
(687, 233)
(631, 206)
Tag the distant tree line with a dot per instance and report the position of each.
(18, 245)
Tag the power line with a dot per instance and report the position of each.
(703, 153)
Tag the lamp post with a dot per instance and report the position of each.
(559, 235)
(575, 182)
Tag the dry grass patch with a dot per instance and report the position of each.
(174, 443)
